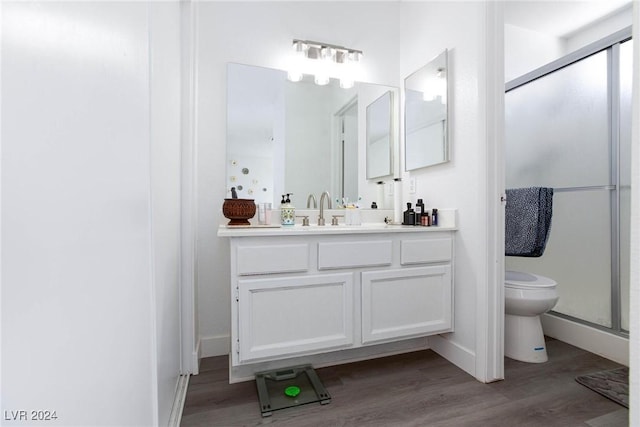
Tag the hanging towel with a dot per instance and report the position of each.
(528, 221)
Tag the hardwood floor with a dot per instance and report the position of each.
(419, 389)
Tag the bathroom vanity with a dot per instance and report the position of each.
(326, 295)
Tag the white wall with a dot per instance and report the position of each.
(599, 29)
(525, 50)
(260, 33)
(426, 30)
(88, 257)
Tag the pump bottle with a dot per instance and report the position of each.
(287, 211)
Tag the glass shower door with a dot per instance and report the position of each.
(557, 134)
(568, 126)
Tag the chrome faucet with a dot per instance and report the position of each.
(312, 198)
(325, 195)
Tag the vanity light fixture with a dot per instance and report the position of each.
(326, 61)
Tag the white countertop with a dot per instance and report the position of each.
(299, 230)
(447, 222)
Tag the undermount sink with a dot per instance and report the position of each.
(363, 226)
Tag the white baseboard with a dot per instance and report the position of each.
(602, 343)
(214, 346)
(195, 359)
(460, 356)
(178, 402)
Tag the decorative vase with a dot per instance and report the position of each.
(239, 211)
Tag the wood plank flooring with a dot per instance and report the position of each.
(419, 389)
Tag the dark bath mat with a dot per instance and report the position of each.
(613, 384)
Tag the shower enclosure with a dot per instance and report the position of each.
(568, 126)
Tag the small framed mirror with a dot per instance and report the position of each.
(379, 136)
(426, 122)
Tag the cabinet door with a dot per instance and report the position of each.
(294, 315)
(406, 302)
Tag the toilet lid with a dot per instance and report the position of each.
(518, 279)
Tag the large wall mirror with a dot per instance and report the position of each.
(426, 122)
(298, 137)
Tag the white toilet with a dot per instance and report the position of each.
(527, 296)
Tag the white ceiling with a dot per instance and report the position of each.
(561, 17)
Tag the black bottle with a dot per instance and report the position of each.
(434, 216)
(419, 212)
(409, 216)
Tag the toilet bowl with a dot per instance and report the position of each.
(527, 296)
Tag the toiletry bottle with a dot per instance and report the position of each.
(397, 200)
(409, 215)
(287, 211)
(380, 194)
(374, 205)
(434, 216)
(419, 212)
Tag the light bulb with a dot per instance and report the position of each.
(294, 76)
(321, 79)
(296, 64)
(346, 83)
(323, 66)
(349, 69)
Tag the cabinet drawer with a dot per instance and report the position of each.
(264, 259)
(425, 251)
(354, 254)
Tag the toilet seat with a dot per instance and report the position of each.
(521, 280)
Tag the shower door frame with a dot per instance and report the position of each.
(610, 44)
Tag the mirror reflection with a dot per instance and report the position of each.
(297, 137)
(426, 136)
(379, 130)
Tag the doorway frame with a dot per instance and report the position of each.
(490, 301)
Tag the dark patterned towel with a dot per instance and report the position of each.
(527, 221)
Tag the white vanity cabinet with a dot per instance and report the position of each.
(304, 295)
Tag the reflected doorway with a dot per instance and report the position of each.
(346, 149)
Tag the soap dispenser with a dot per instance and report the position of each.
(287, 211)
